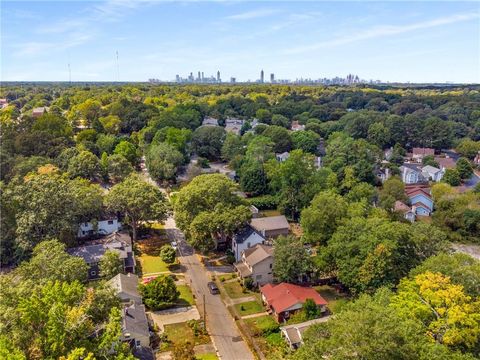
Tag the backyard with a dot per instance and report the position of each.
(234, 290)
(181, 333)
(332, 296)
(249, 307)
(186, 296)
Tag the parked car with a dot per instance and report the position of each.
(174, 245)
(213, 288)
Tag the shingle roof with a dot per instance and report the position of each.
(295, 331)
(126, 283)
(258, 253)
(283, 296)
(423, 151)
(445, 162)
(135, 320)
(269, 223)
(244, 234)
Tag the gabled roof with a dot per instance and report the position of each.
(430, 169)
(401, 206)
(93, 251)
(241, 236)
(295, 332)
(415, 192)
(134, 320)
(269, 223)
(126, 283)
(283, 296)
(258, 253)
(421, 204)
(445, 162)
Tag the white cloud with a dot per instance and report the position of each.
(254, 14)
(383, 31)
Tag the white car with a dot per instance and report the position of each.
(174, 244)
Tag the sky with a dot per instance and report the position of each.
(396, 41)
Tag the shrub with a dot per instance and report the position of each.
(168, 254)
(160, 293)
(248, 283)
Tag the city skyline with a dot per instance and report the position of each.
(432, 42)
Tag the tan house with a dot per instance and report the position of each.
(271, 226)
(39, 111)
(256, 263)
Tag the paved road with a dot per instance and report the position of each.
(221, 326)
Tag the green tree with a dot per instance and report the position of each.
(468, 148)
(128, 151)
(110, 264)
(111, 124)
(430, 160)
(232, 147)
(160, 293)
(207, 141)
(50, 262)
(311, 309)
(280, 120)
(379, 135)
(138, 201)
(168, 254)
(253, 179)
(392, 190)
(280, 137)
(291, 262)
(118, 168)
(307, 141)
(163, 161)
(452, 177)
(448, 315)
(264, 116)
(464, 168)
(320, 220)
(85, 165)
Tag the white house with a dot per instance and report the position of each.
(101, 227)
(411, 173)
(283, 156)
(432, 173)
(244, 239)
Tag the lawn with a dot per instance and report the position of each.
(206, 357)
(267, 213)
(234, 290)
(262, 325)
(186, 296)
(331, 295)
(249, 307)
(152, 264)
(181, 333)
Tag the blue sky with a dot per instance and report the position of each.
(392, 41)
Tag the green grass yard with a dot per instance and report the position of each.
(186, 296)
(330, 294)
(152, 264)
(181, 333)
(206, 357)
(249, 307)
(262, 325)
(234, 290)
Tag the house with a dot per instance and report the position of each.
(404, 209)
(3, 103)
(106, 226)
(432, 173)
(285, 299)
(93, 251)
(209, 121)
(126, 288)
(293, 334)
(255, 212)
(135, 329)
(317, 162)
(296, 126)
(233, 125)
(271, 226)
(383, 173)
(476, 160)
(256, 263)
(39, 111)
(283, 156)
(419, 153)
(244, 239)
(420, 199)
(412, 173)
(445, 162)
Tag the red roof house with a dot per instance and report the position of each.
(285, 299)
(420, 153)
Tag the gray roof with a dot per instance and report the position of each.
(269, 223)
(295, 332)
(126, 283)
(93, 251)
(244, 234)
(135, 320)
(258, 253)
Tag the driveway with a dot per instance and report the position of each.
(174, 316)
(220, 324)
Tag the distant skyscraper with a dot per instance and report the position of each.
(233, 80)
(202, 76)
(177, 78)
(218, 76)
(261, 77)
(272, 78)
(198, 77)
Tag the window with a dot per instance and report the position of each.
(110, 222)
(248, 245)
(258, 277)
(271, 266)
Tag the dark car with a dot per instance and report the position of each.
(213, 288)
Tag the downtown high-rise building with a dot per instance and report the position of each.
(262, 77)
(272, 78)
(218, 76)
